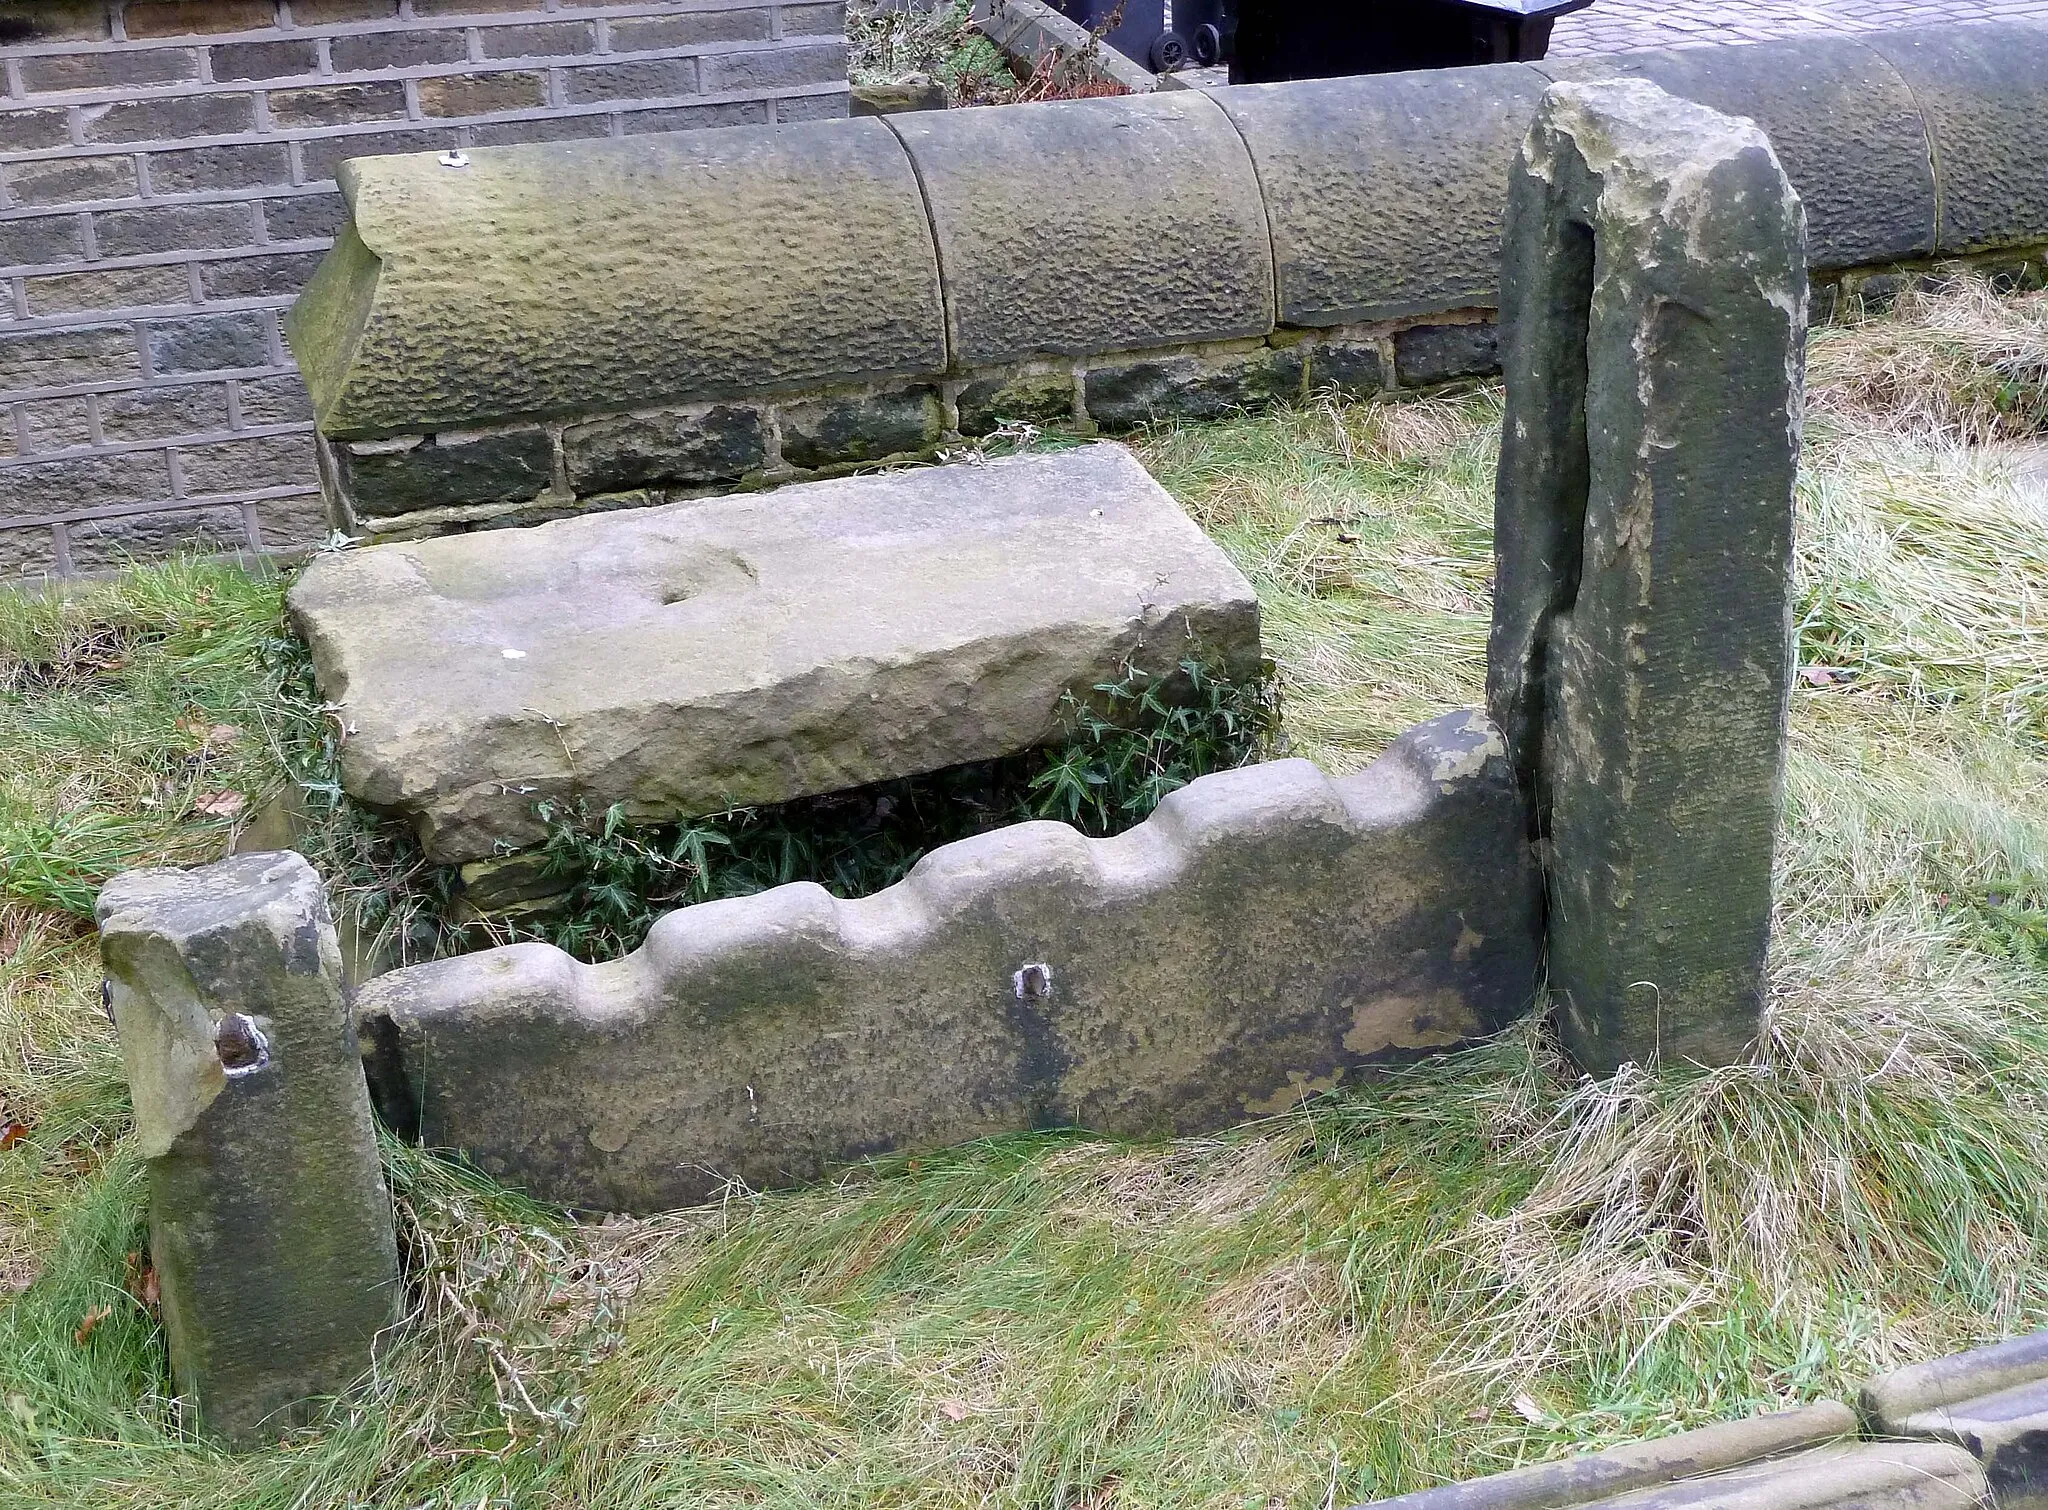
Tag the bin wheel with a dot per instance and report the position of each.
(1169, 52)
(1208, 45)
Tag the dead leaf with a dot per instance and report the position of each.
(955, 1410)
(1529, 1410)
(141, 1282)
(12, 1133)
(221, 804)
(92, 1319)
(223, 734)
(1482, 1415)
(1818, 676)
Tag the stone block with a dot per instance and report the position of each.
(60, 358)
(1640, 660)
(304, 217)
(274, 401)
(363, 51)
(124, 69)
(275, 59)
(185, 18)
(168, 117)
(72, 180)
(104, 545)
(324, 155)
(54, 21)
(209, 343)
(731, 260)
(34, 129)
(689, 117)
(44, 239)
(1353, 368)
(1297, 931)
(174, 228)
(556, 39)
(1385, 191)
(56, 487)
(864, 427)
(270, 1226)
(691, 29)
(153, 413)
(638, 79)
(338, 104)
(27, 555)
(1983, 92)
(109, 288)
(917, 91)
(55, 423)
(722, 444)
(1992, 1402)
(758, 647)
(389, 478)
(240, 165)
(1092, 225)
(1843, 122)
(1122, 395)
(463, 94)
(257, 277)
(1037, 398)
(1425, 354)
(779, 67)
(246, 464)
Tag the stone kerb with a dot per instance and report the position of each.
(270, 1226)
(1640, 659)
(1092, 263)
(1265, 933)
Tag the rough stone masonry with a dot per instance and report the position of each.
(270, 1226)
(1654, 296)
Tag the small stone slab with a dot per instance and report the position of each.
(269, 1222)
(1992, 1402)
(756, 648)
(1265, 933)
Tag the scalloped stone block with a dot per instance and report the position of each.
(756, 648)
(1267, 932)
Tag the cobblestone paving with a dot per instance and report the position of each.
(1615, 25)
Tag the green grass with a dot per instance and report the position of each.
(1476, 1263)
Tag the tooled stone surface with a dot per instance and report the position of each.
(1842, 121)
(758, 647)
(1092, 225)
(270, 1225)
(1654, 317)
(583, 277)
(1385, 190)
(1983, 91)
(1266, 932)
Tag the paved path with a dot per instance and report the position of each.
(1614, 25)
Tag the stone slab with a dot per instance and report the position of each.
(270, 1226)
(1983, 93)
(1092, 225)
(1385, 191)
(585, 277)
(758, 647)
(1843, 122)
(1654, 310)
(1265, 933)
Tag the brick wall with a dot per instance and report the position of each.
(167, 183)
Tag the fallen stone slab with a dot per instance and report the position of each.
(1267, 932)
(756, 648)
(1654, 308)
(1992, 1402)
(1794, 1460)
(269, 1223)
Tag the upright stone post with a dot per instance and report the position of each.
(270, 1226)
(1654, 306)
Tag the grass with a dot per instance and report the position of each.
(1476, 1263)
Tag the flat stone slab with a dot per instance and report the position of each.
(1265, 933)
(755, 648)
